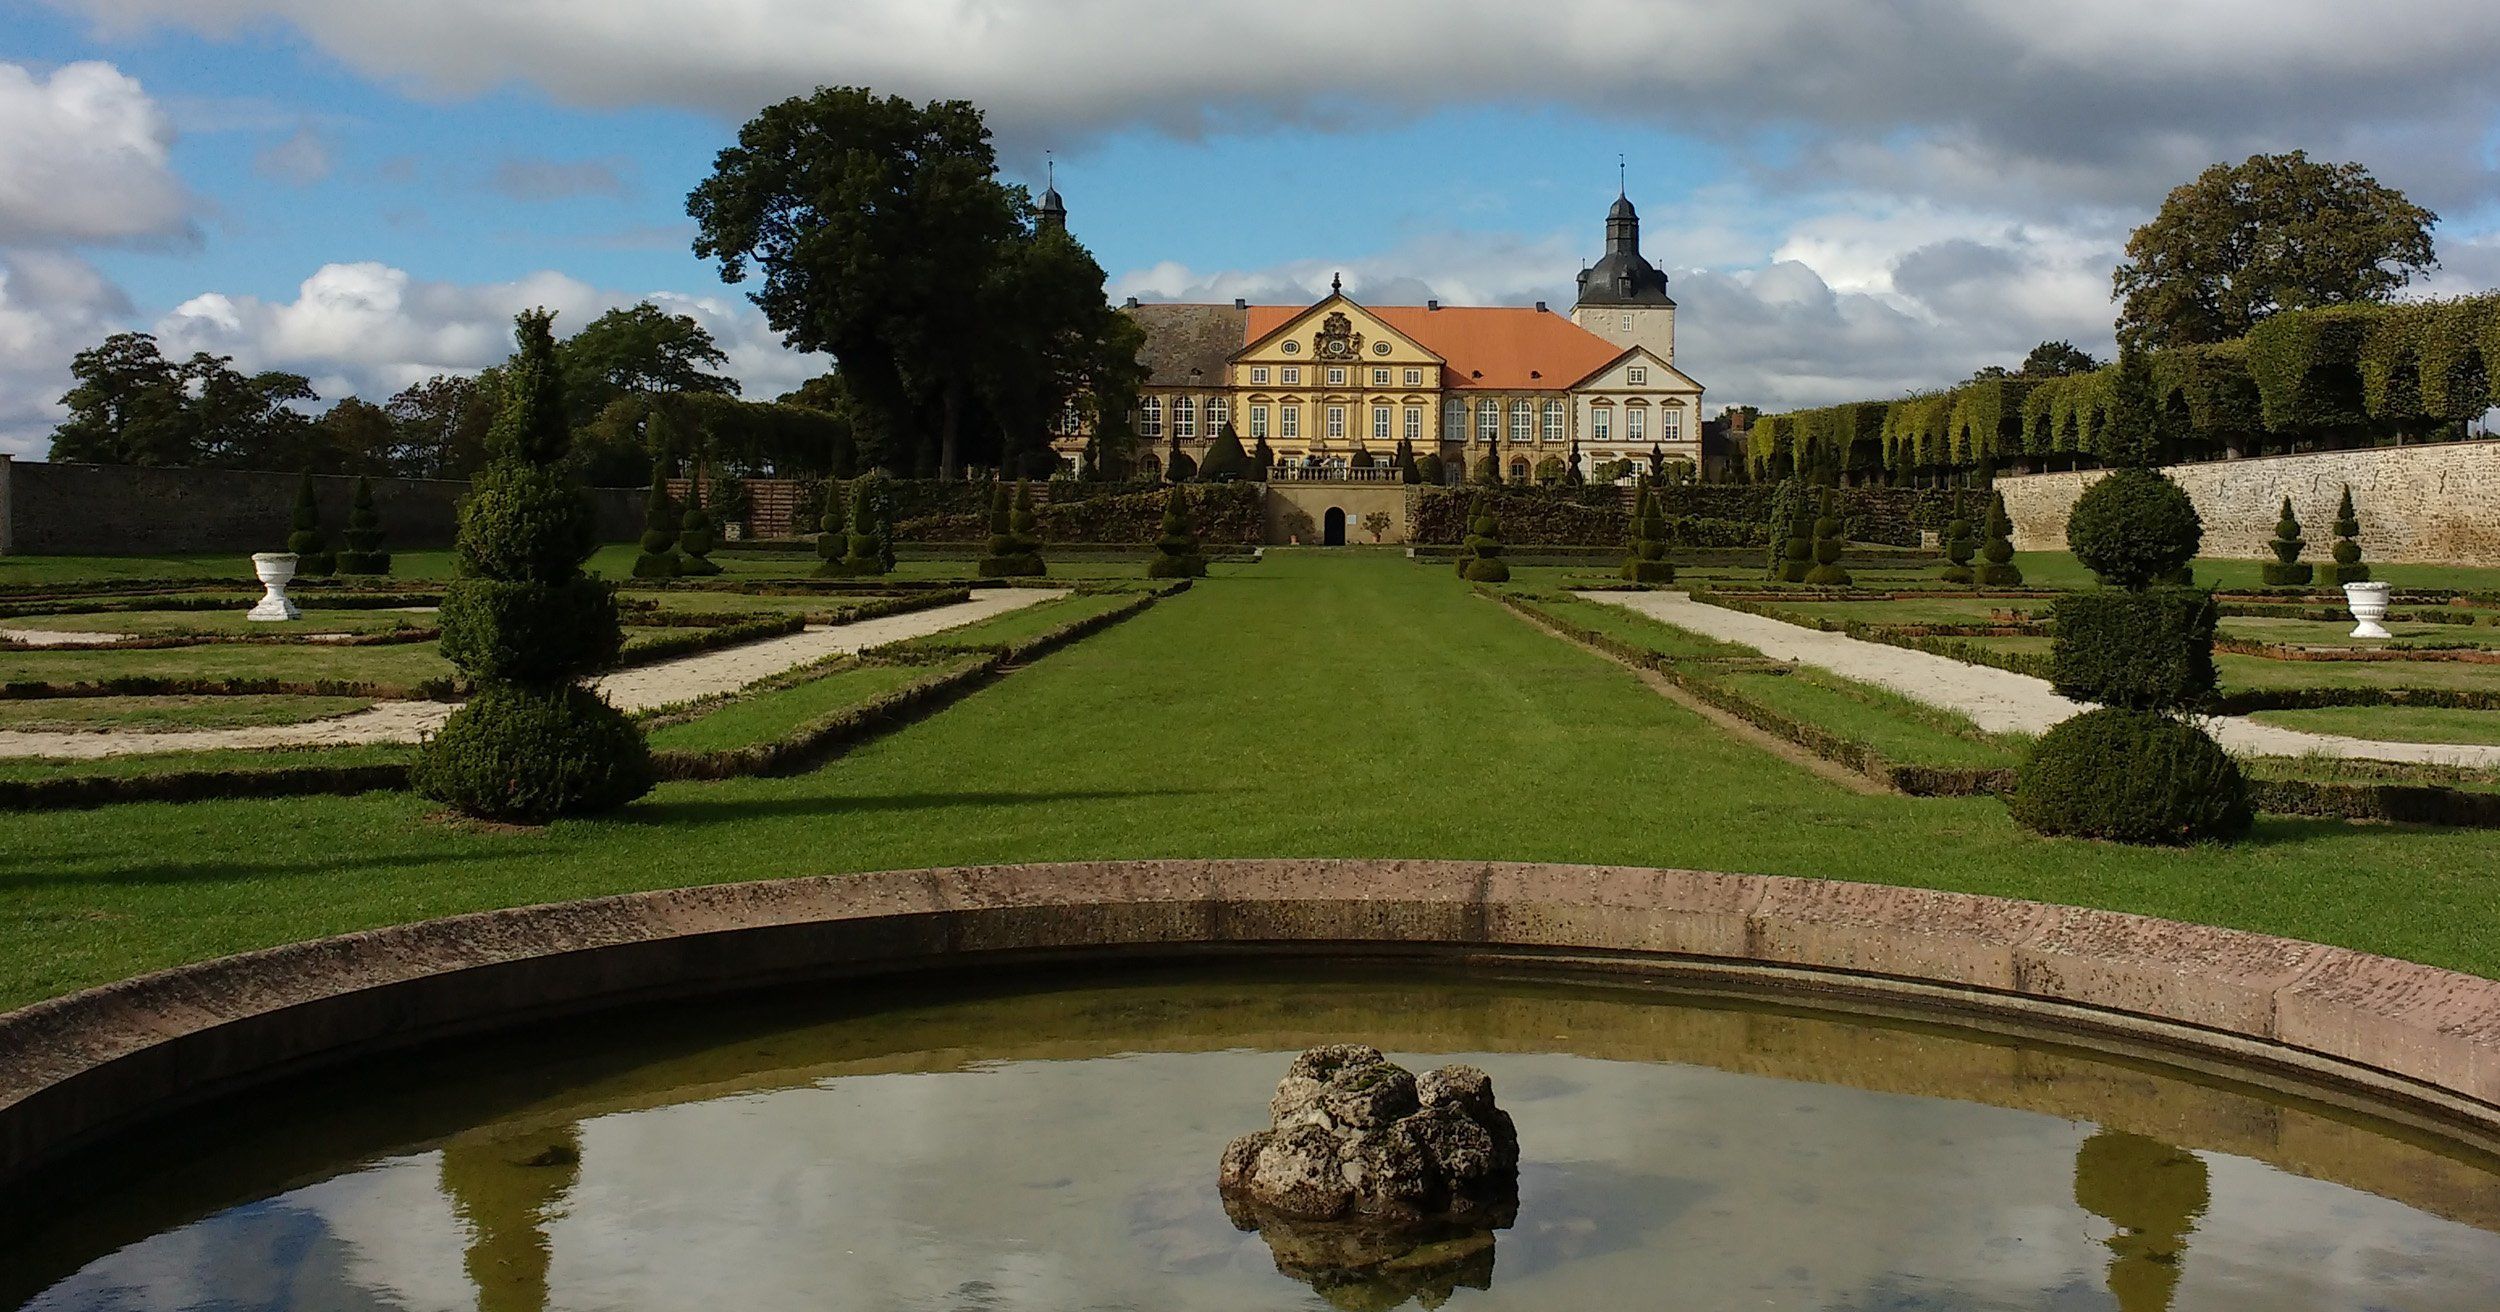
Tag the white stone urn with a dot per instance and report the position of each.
(2368, 604)
(275, 569)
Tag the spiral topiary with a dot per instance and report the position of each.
(1015, 545)
(1997, 568)
(311, 548)
(694, 532)
(832, 543)
(1797, 542)
(364, 554)
(1484, 544)
(2348, 567)
(2134, 527)
(525, 625)
(659, 529)
(1178, 553)
(869, 553)
(2287, 569)
(1959, 544)
(2131, 777)
(1783, 514)
(1646, 562)
(1828, 545)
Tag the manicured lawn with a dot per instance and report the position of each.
(397, 664)
(155, 623)
(1901, 729)
(179, 762)
(1918, 610)
(2057, 569)
(1318, 705)
(2403, 724)
(2261, 672)
(148, 714)
(1018, 625)
(2338, 633)
(766, 716)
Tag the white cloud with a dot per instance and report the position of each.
(52, 306)
(2089, 104)
(83, 158)
(301, 159)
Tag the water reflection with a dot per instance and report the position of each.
(1050, 1151)
(2153, 1193)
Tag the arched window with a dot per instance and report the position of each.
(1518, 471)
(1553, 421)
(1217, 413)
(1522, 422)
(1488, 420)
(1149, 467)
(1184, 417)
(1150, 417)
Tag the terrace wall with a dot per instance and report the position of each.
(2437, 503)
(60, 509)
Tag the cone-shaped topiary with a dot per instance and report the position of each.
(525, 625)
(659, 529)
(694, 531)
(1002, 538)
(2132, 777)
(364, 554)
(1960, 543)
(1646, 562)
(868, 555)
(1180, 556)
(311, 548)
(1828, 544)
(1797, 543)
(1783, 514)
(884, 502)
(1484, 544)
(1226, 462)
(2348, 567)
(833, 540)
(2134, 527)
(1489, 471)
(1015, 546)
(2287, 569)
(1407, 472)
(1262, 459)
(1573, 474)
(1998, 569)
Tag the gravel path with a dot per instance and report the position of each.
(1999, 701)
(61, 637)
(664, 684)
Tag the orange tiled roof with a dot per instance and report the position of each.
(1502, 343)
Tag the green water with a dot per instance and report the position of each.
(1053, 1146)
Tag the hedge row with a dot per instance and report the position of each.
(2466, 653)
(2418, 804)
(189, 603)
(167, 641)
(869, 608)
(1699, 515)
(687, 642)
(2250, 700)
(1039, 645)
(70, 792)
(428, 690)
(1225, 513)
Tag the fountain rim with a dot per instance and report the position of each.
(2392, 1036)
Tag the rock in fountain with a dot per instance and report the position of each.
(1373, 1184)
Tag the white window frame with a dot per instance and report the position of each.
(1380, 378)
(1336, 423)
(1217, 413)
(1414, 377)
(1414, 424)
(1602, 423)
(1671, 423)
(1289, 423)
(1522, 423)
(1185, 418)
(1453, 421)
(1258, 374)
(1553, 420)
(1293, 375)
(1636, 424)
(1488, 420)
(1150, 417)
(1380, 423)
(1336, 375)
(1636, 375)
(1258, 422)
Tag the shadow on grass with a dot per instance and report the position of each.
(718, 809)
(195, 873)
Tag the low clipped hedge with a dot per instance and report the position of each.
(428, 690)
(2131, 776)
(687, 642)
(1226, 513)
(2390, 803)
(2149, 650)
(76, 792)
(526, 755)
(820, 738)
(228, 601)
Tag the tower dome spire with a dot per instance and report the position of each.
(1054, 211)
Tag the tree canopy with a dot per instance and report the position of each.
(641, 350)
(132, 406)
(2272, 233)
(2059, 359)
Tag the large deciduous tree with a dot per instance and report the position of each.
(132, 406)
(641, 349)
(2060, 359)
(2274, 232)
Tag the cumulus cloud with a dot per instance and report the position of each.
(52, 306)
(83, 159)
(300, 160)
(1953, 97)
(528, 178)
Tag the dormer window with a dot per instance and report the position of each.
(1637, 376)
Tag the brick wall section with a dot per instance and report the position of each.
(125, 510)
(2434, 504)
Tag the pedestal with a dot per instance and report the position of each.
(275, 569)
(2368, 604)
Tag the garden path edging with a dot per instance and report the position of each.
(78, 1069)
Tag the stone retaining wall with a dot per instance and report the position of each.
(60, 509)
(2436, 503)
(2423, 1041)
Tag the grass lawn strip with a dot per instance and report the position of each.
(2416, 724)
(153, 714)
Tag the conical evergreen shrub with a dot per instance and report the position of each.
(525, 626)
(868, 555)
(1960, 543)
(2287, 569)
(1783, 516)
(1484, 544)
(1998, 569)
(2348, 567)
(1262, 459)
(1646, 562)
(694, 531)
(1828, 545)
(1179, 555)
(1015, 542)
(1797, 548)
(311, 548)
(1407, 472)
(833, 541)
(1226, 462)
(364, 554)
(659, 529)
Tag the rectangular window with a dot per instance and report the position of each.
(1150, 418)
(1453, 421)
(1293, 374)
(1627, 323)
(1414, 377)
(1258, 421)
(1258, 374)
(1292, 420)
(1635, 422)
(1414, 423)
(1380, 423)
(1522, 425)
(1336, 377)
(1637, 376)
(1488, 420)
(1218, 410)
(1380, 378)
(1671, 424)
(1336, 423)
(1553, 421)
(1601, 425)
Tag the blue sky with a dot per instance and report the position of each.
(363, 192)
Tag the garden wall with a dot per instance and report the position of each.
(2436, 503)
(59, 509)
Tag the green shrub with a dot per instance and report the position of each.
(2348, 567)
(2287, 569)
(1999, 571)
(524, 522)
(1431, 470)
(1489, 472)
(499, 631)
(2134, 527)
(1828, 545)
(2148, 650)
(312, 550)
(526, 754)
(1783, 511)
(659, 529)
(1015, 544)
(1959, 545)
(1408, 472)
(2131, 777)
(1646, 561)
(1483, 562)
(1797, 539)
(1226, 462)
(832, 541)
(364, 554)
(694, 532)
(1179, 556)
(869, 552)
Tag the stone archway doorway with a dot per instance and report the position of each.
(1332, 529)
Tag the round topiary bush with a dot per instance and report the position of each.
(1483, 562)
(2133, 527)
(1960, 543)
(1828, 545)
(2131, 777)
(524, 754)
(500, 631)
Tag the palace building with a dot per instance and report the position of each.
(1326, 383)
